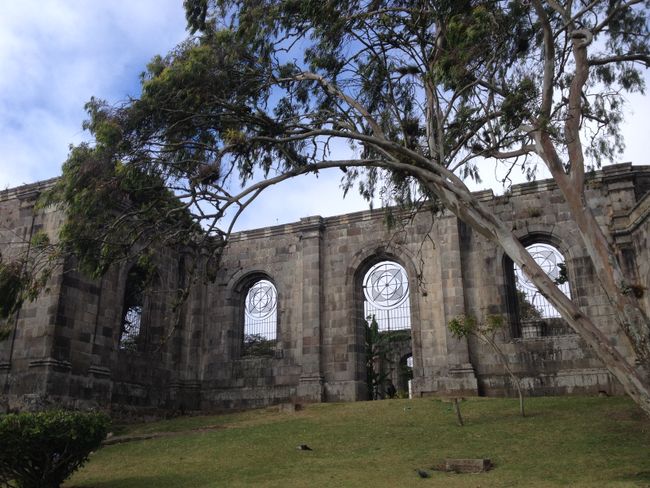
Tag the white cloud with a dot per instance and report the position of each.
(55, 55)
(636, 128)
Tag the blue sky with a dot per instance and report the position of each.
(56, 54)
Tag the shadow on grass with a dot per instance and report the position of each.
(641, 476)
(138, 482)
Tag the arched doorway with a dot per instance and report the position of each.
(386, 317)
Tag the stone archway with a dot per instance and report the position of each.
(382, 291)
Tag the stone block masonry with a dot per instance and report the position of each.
(65, 347)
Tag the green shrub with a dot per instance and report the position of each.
(41, 450)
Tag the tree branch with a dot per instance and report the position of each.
(549, 61)
(524, 150)
(643, 58)
(333, 90)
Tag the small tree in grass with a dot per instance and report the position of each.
(464, 326)
(41, 450)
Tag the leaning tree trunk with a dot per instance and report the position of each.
(628, 314)
(634, 380)
(455, 196)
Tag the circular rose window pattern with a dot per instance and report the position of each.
(261, 300)
(386, 285)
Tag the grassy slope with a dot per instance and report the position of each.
(564, 442)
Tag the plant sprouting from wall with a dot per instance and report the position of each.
(24, 276)
(257, 345)
(11, 288)
(527, 311)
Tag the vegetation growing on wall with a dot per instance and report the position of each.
(257, 345)
(120, 211)
(11, 285)
(24, 276)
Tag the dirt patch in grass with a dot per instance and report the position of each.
(121, 439)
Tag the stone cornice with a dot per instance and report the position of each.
(628, 222)
(100, 371)
(30, 191)
(51, 363)
(607, 175)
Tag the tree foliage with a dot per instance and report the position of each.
(425, 94)
(11, 283)
(41, 450)
(23, 276)
(113, 207)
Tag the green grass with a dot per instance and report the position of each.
(569, 441)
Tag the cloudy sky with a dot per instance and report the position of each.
(56, 54)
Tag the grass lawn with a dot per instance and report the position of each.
(568, 441)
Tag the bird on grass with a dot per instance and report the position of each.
(422, 473)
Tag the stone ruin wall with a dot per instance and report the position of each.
(64, 349)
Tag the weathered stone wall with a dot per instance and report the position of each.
(452, 272)
(65, 345)
(63, 348)
(632, 231)
(554, 364)
(228, 378)
(31, 359)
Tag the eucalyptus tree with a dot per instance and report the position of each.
(426, 94)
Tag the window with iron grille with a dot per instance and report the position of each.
(536, 316)
(133, 305)
(260, 319)
(386, 293)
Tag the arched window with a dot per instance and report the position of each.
(386, 293)
(131, 326)
(260, 319)
(535, 314)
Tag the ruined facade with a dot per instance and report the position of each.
(110, 342)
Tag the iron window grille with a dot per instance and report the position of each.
(386, 292)
(131, 326)
(260, 319)
(537, 316)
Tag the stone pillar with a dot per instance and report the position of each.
(620, 191)
(461, 377)
(311, 386)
